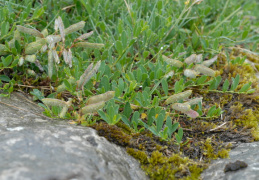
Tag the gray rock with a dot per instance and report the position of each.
(247, 152)
(35, 147)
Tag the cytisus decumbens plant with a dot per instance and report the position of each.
(159, 120)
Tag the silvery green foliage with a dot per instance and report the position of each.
(49, 42)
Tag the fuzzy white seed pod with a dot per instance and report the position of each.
(75, 27)
(63, 112)
(210, 61)
(92, 107)
(50, 64)
(30, 58)
(172, 62)
(204, 70)
(21, 61)
(179, 96)
(198, 58)
(55, 55)
(190, 59)
(190, 73)
(17, 36)
(170, 74)
(30, 31)
(194, 101)
(84, 36)
(101, 97)
(33, 47)
(55, 102)
(191, 113)
(181, 107)
(45, 32)
(52, 39)
(89, 45)
(59, 25)
(69, 58)
(31, 72)
(87, 75)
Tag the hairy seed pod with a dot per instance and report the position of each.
(87, 75)
(30, 31)
(17, 36)
(2, 50)
(92, 107)
(170, 74)
(181, 107)
(204, 70)
(84, 36)
(69, 58)
(59, 25)
(179, 96)
(191, 113)
(63, 112)
(30, 58)
(32, 48)
(74, 27)
(21, 61)
(45, 32)
(194, 101)
(55, 55)
(190, 73)
(31, 72)
(44, 48)
(50, 64)
(52, 39)
(172, 62)
(89, 45)
(198, 58)
(191, 59)
(210, 61)
(54, 102)
(101, 97)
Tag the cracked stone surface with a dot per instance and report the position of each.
(35, 147)
(247, 152)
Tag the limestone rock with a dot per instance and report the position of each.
(35, 147)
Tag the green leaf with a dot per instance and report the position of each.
(151, 114)
(67, 84)
(165, 86)
(250, 91)
(4, 28)
(201, 80)
(38, 12)
(245, 87)
(5, 78)
(103, 116)
(235, 82)
(17, 46)
(211, 111)
(37, 93)
(7, 61)
(179, 135)
(160, 120)
(127, 110)
(135, 117)
(225, 85)
(119, 47)
(105, 83)
(125, 120)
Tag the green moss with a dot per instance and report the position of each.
(137, 154)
